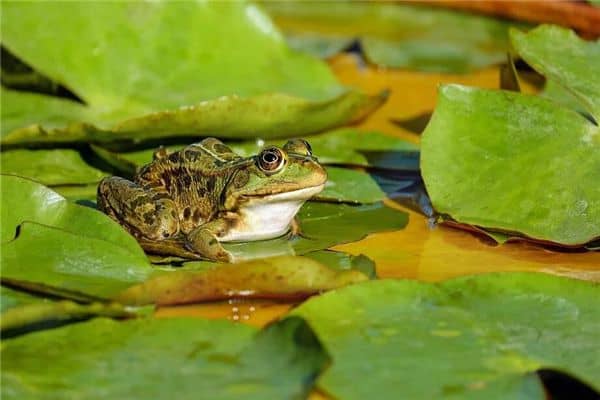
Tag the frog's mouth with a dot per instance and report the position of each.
(294, 195)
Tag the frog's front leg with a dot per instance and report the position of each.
(142, 211)
(204, 240)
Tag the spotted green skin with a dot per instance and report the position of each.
(195, 196)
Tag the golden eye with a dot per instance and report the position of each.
(271, 160)
(298, 146)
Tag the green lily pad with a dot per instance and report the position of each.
(562, 57)
(172, 85)
(350, 186)
(25, 200)
(162, 359)
(284, 277)
(50, 167)
(83, 250)
(325, 225)
(526, 166)
(394, 35)
(480, 337)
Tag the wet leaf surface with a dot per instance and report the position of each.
(392, 35)
(166, 87)
(162, 358)
(481, 337)
(284, 277)
(527, 166)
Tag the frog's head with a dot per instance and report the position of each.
(275, 175)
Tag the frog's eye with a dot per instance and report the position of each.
(271, 160)
(298, 146)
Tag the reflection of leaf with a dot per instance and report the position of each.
(162, 88)
(481, 337)
(164, 359)
(284, 277)
(525, 166)
(343, 261)
(397, 35)
(561, 56)
(325, 225)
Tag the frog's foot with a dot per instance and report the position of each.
(141, 211)
(204, 241)
(295, 228)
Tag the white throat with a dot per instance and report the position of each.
(269, 216)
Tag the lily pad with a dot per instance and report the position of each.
(172, 85)
(325, 225)
(350, 186)
(481, 337)
(394, 35)
(162, 359)
(284, 277)
(526, 165)
(50, 167)
(25, 200)
(561, 56)
(83, 249)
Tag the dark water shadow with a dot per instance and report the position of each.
(414, 124)
(563, 386)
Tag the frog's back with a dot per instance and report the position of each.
(193, 177)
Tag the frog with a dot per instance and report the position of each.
(205, 195)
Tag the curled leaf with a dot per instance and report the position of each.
(284, 277)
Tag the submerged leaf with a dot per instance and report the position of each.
(164, 359)
(481, 337)
(284, 277)
(394, 35)
(173, 84)
(526, 165)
